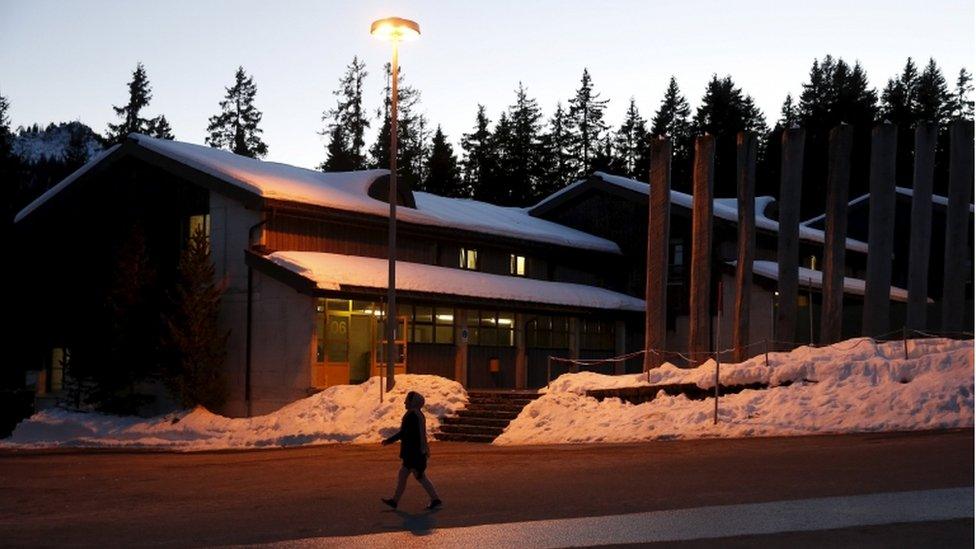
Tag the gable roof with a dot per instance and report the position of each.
(722, 208)
(347, 191)
(937, 200)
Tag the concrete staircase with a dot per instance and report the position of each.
(486, 416)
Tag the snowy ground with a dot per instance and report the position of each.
(853, 386)
(345, 413)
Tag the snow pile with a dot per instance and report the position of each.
(854, 386)
(344, 413)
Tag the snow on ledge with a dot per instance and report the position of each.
(811, 277)
(333, 271)
(853, 386)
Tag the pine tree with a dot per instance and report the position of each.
(789, 114)
(724, 112)
(347, 122)
(899, 98)
(76, 153)
(630, 145)
(673, 119)
(933, 100)
(479, 162)
(196, 346)
(557, 166)
(236, 127)
(835, 93)
(10, 168)
(412, 134)
(586, 122)
(962, 105)
(497, 188)
(159, 128)
(522, 151)
(443, 177)
(139, 96)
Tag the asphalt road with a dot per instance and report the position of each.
(136, 499)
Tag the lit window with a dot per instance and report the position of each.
(813, 262)
(517, 265)
(199, 223)
(469, 259)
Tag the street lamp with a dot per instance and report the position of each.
(393, 29)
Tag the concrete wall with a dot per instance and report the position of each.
(229, 224)
(283, 333)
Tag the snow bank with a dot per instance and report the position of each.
(853, 386)
(344, 413)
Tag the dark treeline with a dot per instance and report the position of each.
(522, 155)
(524, 152)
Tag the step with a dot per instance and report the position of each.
(471, 420)
(520, 395)
(459, 437)
(492, 407)
(506, 401)
(488, 414)
(472, 430)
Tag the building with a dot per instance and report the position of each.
(485, 293)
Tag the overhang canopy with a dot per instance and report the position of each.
(347, 273)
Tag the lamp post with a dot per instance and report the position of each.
(393, 29)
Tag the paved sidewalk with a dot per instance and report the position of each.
(135, 499)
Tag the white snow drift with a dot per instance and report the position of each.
(345, 413)
(853, 386)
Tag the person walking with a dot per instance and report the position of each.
(413, 451)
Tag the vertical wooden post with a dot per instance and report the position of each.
(954, 275)
(881, 231)
(746, 175)
(838, 179)
(788, 237)
(658, 225)
(921, 236)
(521, 374)
(460, 347)
(701, 248)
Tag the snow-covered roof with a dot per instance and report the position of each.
(904, 191)
(348, 191)
(338, 272)
(64, 183)
(811, 277)
(723, 208)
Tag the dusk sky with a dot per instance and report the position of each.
(63, 61)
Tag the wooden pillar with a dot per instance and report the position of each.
(699, 338)
(658, 226)
(921, 238)
(574, 340)
(838, 179)
(460, 347)
(954, 275)
(746, 184)
(619, 346)
(788, 236)
(521, 374)
(881, 231)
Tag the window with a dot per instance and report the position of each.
(198, 223)
(430, 324)
(517, 265)
(678, 255)
(813, 262)
(547, 332)
(491, 328)
(469, 259)
(596, 335)
(59, 359)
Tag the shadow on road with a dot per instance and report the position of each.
(418, 524)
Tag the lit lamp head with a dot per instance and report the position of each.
(395, 29)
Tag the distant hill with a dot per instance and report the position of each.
(63, 142)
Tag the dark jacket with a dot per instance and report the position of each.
(409, 436)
